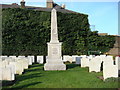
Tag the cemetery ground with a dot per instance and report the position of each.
(73, 77)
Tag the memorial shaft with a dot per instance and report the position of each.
(54, 30)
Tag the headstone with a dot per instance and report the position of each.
(21, 56)
(32, 57)
(78, 60)
(18, 67)
(54, 61)
(67, 58)
(14, 57)
(74, 58)
(117, 60)
(12, 67)
(0, 73)
(7, 74)
(108, 59)
(40, 59)
(33, 60)
(109, 69)
(30, 60)
(9, 59)
(95, 64)
(4, 63)
(24, 61)
(3, 57)
(83, 56)
(102, 55)
(85, 62)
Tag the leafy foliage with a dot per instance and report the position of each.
(26, 32)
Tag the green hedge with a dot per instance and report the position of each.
(26, 32)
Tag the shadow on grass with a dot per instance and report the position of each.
(20, 78)
(32, 70)
(35, 65)
(25, 77)
(26, 85)
(69, 66)
(8, 83)
(35, 73)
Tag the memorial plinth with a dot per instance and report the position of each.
(54, 60)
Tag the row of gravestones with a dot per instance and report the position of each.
(110, 67)
(16, 65)
(9, 66)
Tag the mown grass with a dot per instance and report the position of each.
(73, 77)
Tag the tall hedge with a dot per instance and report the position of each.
(26, 32)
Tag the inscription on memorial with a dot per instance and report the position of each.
(55, 51)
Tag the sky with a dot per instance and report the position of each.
(102, 14)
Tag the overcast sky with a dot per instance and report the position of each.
(102, 14)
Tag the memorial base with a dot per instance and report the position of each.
(54, 66)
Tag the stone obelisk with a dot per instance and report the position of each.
(54, 60)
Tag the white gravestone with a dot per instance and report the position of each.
(109, 69)
(54, 61)
(7, 74)
(21, 56)
(40, 59)
(2, 64)
(108, 59)
(14, 57)
(74, 58)
(117, 60)
(5, 62)
(12, 67)
(25, 62)
(30, 60)
(18, 67)
(33, 60)
(0, 73)
(95, 64)
(3, 57)
(85, 62)
(67, 58)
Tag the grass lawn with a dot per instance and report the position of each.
(73, 77)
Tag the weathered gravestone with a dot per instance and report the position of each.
(78, 60)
